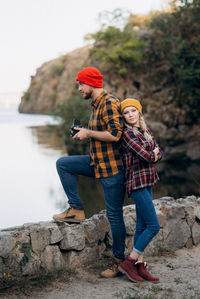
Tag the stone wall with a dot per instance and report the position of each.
(49, 246)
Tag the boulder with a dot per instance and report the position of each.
(129, 220)
(52, 259)
(32, 267)
(196, 233)
(6, 244)
(73, 237)
(176, 234)
(40, 238)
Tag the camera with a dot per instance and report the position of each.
(75, 124)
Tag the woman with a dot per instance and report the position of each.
(140, 151)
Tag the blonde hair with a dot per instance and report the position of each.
(143, 127)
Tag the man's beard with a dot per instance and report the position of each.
(88, 95)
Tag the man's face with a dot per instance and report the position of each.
(85, 90)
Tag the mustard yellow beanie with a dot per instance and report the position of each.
(131, 103)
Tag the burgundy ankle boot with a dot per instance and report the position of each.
(141, 267)
(129, 268)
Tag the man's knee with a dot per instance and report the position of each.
(61, 163)
(114, 215)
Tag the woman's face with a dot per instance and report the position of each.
(131, 116)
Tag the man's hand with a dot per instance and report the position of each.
(98, 135)
(82, 134)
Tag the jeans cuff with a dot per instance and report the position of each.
(138, 251)
(77, 208)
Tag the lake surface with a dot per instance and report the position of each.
(30, 190)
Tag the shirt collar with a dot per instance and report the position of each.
(98, 99)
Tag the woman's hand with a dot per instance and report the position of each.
(156, 152)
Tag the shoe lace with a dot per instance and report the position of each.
(113, 266)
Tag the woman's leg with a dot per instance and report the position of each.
(148, 225)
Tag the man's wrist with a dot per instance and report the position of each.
(89, 133)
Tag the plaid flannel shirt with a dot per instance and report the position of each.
(138, 159)
(106, 116)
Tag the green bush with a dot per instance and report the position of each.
(117, 50)
(175, 41)
(145, 44)
(73, 108)
(57, 70)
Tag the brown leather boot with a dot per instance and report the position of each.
(112, 271)
(145, 274)
(70, 215)
(129, 268)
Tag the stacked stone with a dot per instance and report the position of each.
(50, 246)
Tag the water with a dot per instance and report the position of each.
(29, 186)
(30, 189)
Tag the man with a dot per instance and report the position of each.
(104, 162)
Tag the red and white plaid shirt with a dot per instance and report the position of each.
(138, 159)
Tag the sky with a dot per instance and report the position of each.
(35, 31)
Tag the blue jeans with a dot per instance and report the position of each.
(113, 187)
(147, 225)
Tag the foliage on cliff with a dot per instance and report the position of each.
(74, 108)
(169, 39)
(156, 56)
(175, 40)
(119, 51)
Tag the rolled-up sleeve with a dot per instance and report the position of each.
(112, 118)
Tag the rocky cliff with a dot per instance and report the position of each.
(54, 82)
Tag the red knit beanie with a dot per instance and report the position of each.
(90, 76)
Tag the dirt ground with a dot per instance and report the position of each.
(179, 274)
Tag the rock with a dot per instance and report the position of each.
(1, 267)
(162, 218)
(32, 267)
(102, 225)
(176, 152)
(55, 233)
(193, 151)
(197, 212)
(196, 233)
(157, 127)
(177, 211)
(90, 231)
(155, 246)
(54, 82)
(52, 259)
(129, 223)
(21, 252)
(164, 199)
(27, 249)
(129, 243)
(6, 244)
(73, 237)
(101, 248)
(40, 238)
(76, 260)
(176, 234)
(189, 215)
(189, 243)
